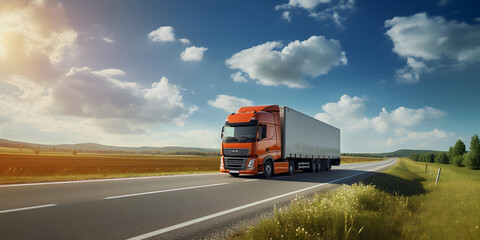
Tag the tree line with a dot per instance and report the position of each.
(457, 155)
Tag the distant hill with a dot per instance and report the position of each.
(99, 147)
(408, 152)
(398, 153)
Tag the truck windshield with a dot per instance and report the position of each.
(239, 134)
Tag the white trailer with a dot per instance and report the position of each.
(310, 143)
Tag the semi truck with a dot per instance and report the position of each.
(276, 139)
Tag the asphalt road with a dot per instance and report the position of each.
(164, 207)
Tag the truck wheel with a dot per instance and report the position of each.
(234, 174)
(322, 164)
(319, 165)
(328, 166)
(314, 166)
(267, 169)
(291, 168)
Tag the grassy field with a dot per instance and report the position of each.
(402, 203)
(26, 166)
(348, 159)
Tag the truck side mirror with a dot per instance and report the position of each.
(221, 135)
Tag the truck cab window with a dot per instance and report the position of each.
(262, 131)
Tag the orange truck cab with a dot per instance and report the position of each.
(252, 143)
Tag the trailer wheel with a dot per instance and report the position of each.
(322, 164)
(328, 166)
(291, 168)
(314, 166)
(234, 174)
(267, 169)
(319, 165)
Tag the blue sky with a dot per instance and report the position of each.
(390, 75)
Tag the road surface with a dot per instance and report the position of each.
(163, 207)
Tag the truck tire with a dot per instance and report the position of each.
(267, 169)
(322, 163)
(328, 166)
(314, 166)
(319, 165)
(234, 174)
(291, 168)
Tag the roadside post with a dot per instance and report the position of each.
(438, 176)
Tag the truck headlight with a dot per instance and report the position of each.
(251, 163)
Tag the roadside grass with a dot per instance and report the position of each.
(400, 203)
(348, 159)
(27, 167)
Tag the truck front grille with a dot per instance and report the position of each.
(236, 152)
(235, 163)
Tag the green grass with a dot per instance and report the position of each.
(400, 203)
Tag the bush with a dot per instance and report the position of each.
(74, 152)
(458, 161)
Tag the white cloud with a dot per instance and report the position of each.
(420, 37)
(287, 16)
(108, 40)
(193, 53)
(238, 77)
(443, 3)
(389, 130)
(184, 41)
(162, 34)
(229, 104)
(428, 139)
(334, 10)
(292, 64)
(98, 95)
(405, 117)
(34, 39)
(411, 72)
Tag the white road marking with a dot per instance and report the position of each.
(104, 180)
(249, 180)
(184, 224)
(167, 190)
(27, 208)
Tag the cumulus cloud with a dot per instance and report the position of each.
(184, 41)
(322, 10)
(100, 95)
(193, 53)
(287, 16)
(162, 34)
(420, 38)
(394, 129)
(272, 65)
(229, 104)
(411, 72)
(405, 117)
(34, 39)
(238, 77)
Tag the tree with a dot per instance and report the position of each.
(459, 148)
(472, 159)
(442, 158)
(74, 152)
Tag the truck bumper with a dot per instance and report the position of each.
(249, 171)
(238, 165)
